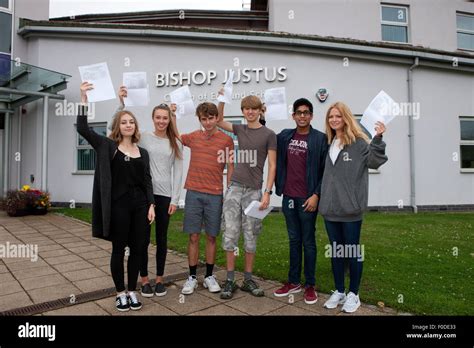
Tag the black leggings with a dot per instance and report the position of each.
(162, 220)
(130, 227)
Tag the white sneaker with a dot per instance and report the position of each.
(189, 286)
(211, 284)
(336, 299)
(352, 303)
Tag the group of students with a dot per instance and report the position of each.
(138, 179)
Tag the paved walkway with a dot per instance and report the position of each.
(73, 265)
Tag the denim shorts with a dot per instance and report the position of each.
(202, 211)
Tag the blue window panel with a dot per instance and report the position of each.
(467, 156)
(86, 159)
(5, 32)
(465, 22)
(394, 14)
(467, 130)
(466, 41)
(394, 33)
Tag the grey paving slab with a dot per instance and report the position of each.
(74, 276)
(42, 281)
(73, 266)
(54, 292)
(72, 262)
(14, 300)
(89, 308)
(255, 305)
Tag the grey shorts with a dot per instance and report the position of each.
(237, 198)
(202, 211)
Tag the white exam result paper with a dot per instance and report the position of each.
(98, 75)
(275, 101)
(253, 211)
(137, 89)
(227, 97)
(380, 109)
(184, 103)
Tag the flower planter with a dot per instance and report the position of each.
(26, 201)
(38, 211)
(18, 212)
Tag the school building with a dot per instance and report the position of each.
(419, 52)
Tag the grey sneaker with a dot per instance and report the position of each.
(146, 290)
(160, 290)
(252, 287)
(229, 288)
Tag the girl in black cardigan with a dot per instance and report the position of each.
(122, 202)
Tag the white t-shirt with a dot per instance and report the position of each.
(335, 149)
(166, 169)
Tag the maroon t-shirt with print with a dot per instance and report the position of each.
(296, 155)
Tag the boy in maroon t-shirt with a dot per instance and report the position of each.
(301, 153)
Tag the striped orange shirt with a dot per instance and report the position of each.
(206, 165)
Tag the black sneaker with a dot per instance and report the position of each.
(229, 288)
(160, 290)
(251, 286)
(135, 304)
(121, 303)
(147, 290)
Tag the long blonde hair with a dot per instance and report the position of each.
(115, 135)
(352, 129)
(171, 132)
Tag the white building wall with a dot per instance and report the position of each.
(444, 96)
(356, 84)
(439, 179)
(432, 23)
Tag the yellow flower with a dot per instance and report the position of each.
(25, 188)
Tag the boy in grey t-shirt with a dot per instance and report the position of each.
(256, 143)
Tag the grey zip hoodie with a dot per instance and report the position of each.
(345, 186)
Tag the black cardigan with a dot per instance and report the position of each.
(105, 149)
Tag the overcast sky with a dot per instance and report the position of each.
(60, 8)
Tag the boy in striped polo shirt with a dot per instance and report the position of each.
(203, 203)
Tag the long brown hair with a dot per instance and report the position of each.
(115, 135)
(351, 130)
(171, 132)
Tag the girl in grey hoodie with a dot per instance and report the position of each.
(344, 197)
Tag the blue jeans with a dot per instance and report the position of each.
(302, 235)
(345, 234)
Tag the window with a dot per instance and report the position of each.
(467, 143)
(85, 153)
(394, 23)
(233, 120)
(5, 4)
(5, 32)
(465, 31)
(358, 118)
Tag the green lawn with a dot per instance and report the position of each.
(410, 260)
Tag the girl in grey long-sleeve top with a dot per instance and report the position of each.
(344, 197)
(166, 163)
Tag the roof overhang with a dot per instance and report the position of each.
(311, 44)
